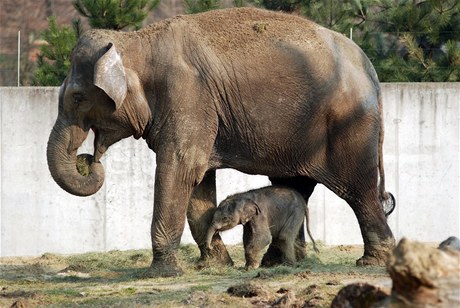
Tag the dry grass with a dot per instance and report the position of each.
(112, 280)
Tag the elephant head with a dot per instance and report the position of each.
(100, 94)
(231, 212)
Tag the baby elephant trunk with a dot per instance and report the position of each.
(211, 231)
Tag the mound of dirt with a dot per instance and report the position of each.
(287, 300)
(359, 295)
(248, 289)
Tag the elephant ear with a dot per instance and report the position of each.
(110, 76)
(250, 210)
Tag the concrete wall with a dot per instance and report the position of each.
(421, 163)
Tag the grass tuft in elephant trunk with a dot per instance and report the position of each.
(79, 175)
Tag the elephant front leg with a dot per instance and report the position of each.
(252, 260)
(255, 239)
(172, 194)
(199, 214)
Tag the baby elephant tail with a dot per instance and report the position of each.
(307, 217)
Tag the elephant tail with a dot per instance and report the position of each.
(307, 217)
(386, 198)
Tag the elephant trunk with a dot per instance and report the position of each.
(79, 175)
(209, 236)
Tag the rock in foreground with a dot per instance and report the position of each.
(422, 276)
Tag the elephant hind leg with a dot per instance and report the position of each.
(377, 236)
(199, 214)
(279, 252)
(357, 183)
(286, 244)
(305, 186)
(365, 203)
(273, 256)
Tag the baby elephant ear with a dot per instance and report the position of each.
(110, 76)
(250, 210)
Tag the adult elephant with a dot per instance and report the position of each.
(254, 90)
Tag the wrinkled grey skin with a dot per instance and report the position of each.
(451, 242)
(267, 214)
(288, 99)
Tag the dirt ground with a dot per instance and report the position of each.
(113, 279)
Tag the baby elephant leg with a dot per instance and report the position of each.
(287, 239)
(288, 251)
(253, 245)
(252, 258)
(274, 255)
(281, 251)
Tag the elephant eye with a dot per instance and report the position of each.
(77, 98)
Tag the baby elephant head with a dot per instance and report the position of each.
(231, 212)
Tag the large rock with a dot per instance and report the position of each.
(424, 275)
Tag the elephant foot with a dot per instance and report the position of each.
(218, 255)
(287, 262)
(163, 271)
(377, 255)
(370, 261)
(251, 266)
(161, 267)
(300, 250)
(272, 257)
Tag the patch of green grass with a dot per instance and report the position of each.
(63, 292)
(111, 260)
(201, 288)
(220, 270)
(129, 291)
(70, 279)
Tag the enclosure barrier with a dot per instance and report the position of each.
(421, 154)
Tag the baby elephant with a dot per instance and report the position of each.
(267, 214)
